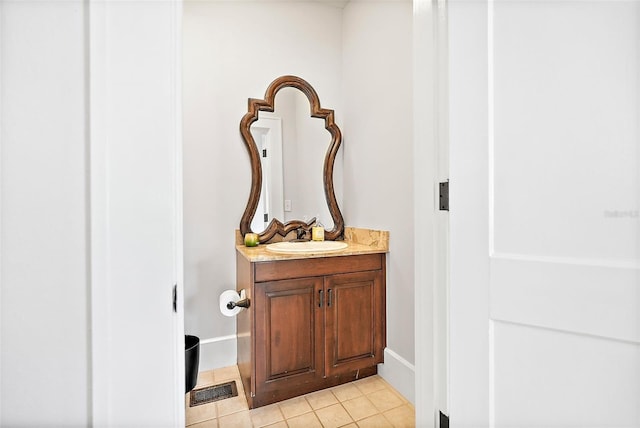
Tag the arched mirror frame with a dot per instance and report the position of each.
(268, 104)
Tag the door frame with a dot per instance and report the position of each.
(102, 95)
(431, 166)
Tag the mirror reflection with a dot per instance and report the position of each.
(292, 146)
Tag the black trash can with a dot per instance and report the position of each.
(191, 360)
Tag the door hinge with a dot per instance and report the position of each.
(175, 298)
(266, 217)
(444, 420)
(264, 153)
(444, 196)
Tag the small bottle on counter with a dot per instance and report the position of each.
(317, 231)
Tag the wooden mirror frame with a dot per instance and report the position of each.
(268, 104)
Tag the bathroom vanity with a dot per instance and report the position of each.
(316, 314)
(315, 320)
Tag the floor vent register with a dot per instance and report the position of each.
(212, 393)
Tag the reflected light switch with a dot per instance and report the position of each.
(287, 204)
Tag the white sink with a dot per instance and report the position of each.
(289, 247)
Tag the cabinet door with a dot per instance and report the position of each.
(289, 336)
(354, 320)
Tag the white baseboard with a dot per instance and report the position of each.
(217, 352)
(399, 373)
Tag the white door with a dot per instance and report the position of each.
(136, 221)
(267, 134)
(545, 220)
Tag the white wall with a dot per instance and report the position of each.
(378, 117)
(304, 146)
(45, 323)
(232, 51)
(311, 141)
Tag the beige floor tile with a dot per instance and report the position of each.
(226, 373)
(375, 421)
(200, 413)
(232, 405)
(321, 399)
(205, 379)
(281, 424)
(385, 399)
(360, 408)
(308, 420)
(401, 417)
(266, 415)
(236, 420)
(294, 407)
(211, 423)
(333, 416)
(345, 392)
(392, 389)
(370, 384)
(371, 402)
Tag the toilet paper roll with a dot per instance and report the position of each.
(226, 297)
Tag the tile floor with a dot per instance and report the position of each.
(368, 402)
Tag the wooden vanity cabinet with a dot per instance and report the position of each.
(312, 324)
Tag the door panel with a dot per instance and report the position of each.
(587, 299)
(352, 321)
(565, 143)
(289, 338)
(287, 309)
(545, 223)
(550, 378)
(353, 304)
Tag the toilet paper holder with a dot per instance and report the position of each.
(244, 303)
(232, 302)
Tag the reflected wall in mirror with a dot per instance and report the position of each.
(292, 152)
(292, 145)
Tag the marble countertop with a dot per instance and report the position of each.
(359, 241)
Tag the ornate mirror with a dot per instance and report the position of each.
(284, 138)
